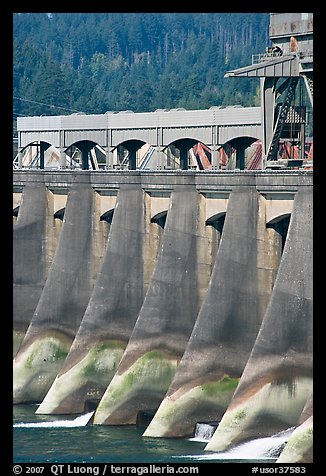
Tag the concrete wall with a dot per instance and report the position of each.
(191, 321)
(166, 318)
(299, 447)
(64, 297)
(111, 312)
(226, 327)
(34, 242)
(277, 379)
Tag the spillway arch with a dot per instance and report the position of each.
(136, 152)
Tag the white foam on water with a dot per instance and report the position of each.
(81, 420)
(203, 432)
(261, 448)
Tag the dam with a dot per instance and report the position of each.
(170, 296)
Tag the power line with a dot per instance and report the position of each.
(44, 104)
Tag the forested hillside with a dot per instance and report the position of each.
(98, 62)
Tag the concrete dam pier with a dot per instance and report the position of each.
(180, 297)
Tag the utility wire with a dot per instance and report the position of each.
(44, 104)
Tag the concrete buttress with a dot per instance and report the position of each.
(33, 236)
(112, 310)
(277, 379)
(227, 324)
(64, 297)
(299, 447)
(166, 318)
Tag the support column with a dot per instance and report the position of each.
(84, 156)
(160, 157)
(62, 158)
(267, 88)
(63, 163)
(215, 153)
(41, 156)
(20, 159)
(159, 149)
(302, 141)
(132, 158)
(43, 148)
(214, 158)
(240, 157)
(183, 157)
(309, 85)
(109, 157)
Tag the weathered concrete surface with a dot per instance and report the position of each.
(208, 181)
(166, 318)
(154, 369)
(112, 310)
(33, 249)
(227, 324)
(64, 297)
(277, 379)
(299, 447)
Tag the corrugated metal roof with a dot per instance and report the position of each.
(171, 118)
(283, 66)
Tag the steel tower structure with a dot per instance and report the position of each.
(286, 76)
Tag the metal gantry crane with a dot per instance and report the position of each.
(285, 66)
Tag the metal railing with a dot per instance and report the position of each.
(270, 54)
(261, 57)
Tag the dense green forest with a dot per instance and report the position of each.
(98, 62)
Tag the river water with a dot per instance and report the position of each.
(68, 439)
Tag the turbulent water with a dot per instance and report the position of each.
(73, 439)
(81, 420)
(267, 449)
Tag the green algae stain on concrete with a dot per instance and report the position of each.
(52, 352)
(151, 373)
(302, 439)
(177, 416)
(96, 368)
(225, 384)
(270, 400)
(102, 361)
(35, 368)
(299, 443)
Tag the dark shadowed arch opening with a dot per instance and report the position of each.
(236, 149)
(160, 218)
(215, 226)
(281, 225)
(107, 216)
(184, 145)
(32, 155)
(127, 153)
(60, 214)
(15, 211)
(81, 152)
(217, 221)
